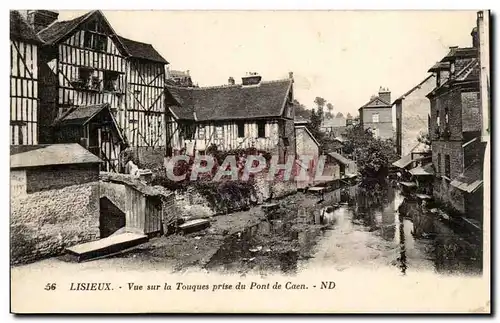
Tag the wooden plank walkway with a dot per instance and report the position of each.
(106, 246)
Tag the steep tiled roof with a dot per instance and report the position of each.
(21, 30)
(230, 102)
(470, 72)
(141, 50)
(56, 31)
(459, 52)
(57, 154)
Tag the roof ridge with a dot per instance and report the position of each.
(224, 86)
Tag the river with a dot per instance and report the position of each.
(376, 228)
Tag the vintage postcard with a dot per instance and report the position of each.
(250, 161)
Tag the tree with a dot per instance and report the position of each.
(373, 155)
(329, 107)
(320, 102)
(339, 115)
(314, 125)
(301, 110)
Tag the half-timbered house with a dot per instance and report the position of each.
(144, 119)
(85, 64)
(252, 114)
(24, 44)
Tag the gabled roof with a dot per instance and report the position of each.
(81, 115)
(141, 50)
(57, 154)
(59, 29)
(413, 89)
(376, 102)
(265, 100)
(21, 30)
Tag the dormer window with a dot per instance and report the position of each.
(452, 68)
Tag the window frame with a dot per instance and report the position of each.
(261, 129)
(378, 117)
(447, 165)
(241, 129)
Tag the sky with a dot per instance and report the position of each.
(342, 56)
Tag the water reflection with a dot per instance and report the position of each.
(372, 225)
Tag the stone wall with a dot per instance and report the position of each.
(454, 150)
(44, 223)
(56, 177)
(448, 195)
(191, 204)
(278, 188)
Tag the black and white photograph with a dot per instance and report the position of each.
(183, 161)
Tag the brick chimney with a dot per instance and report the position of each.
(251, 79)
(40, 19)
(385, 94)
(475, 38)
(230, 80)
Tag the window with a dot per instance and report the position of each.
(438, 120)
(201, 132)
(261, 129)
(375, 118)
(111, 81)
(376, 133)
(439, 164)
(241, 130)
(20, 135)
(87, 79)
(447, 165)
(446, 116)
(219, 132)
(95, 41)
(187, 131)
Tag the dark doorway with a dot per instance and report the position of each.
(111, 218)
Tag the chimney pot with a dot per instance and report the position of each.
(230, 80)
(385, 94)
